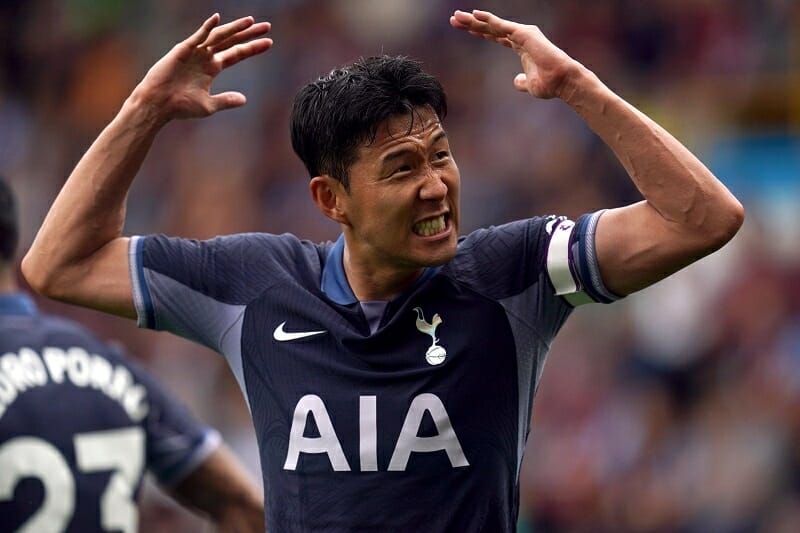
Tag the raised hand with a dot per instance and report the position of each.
(546, 67)
(179, 84)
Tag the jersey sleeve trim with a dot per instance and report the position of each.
(211, 441)
(141, 293)
(588, 264)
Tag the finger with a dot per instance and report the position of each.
(460, 26)
(521, 82)
(467, 21)
(240, 52)
(256, 30)
(221, 33)
(486, 36)
(202, 33)
(226, 100)
(461, 19)
(496, 24)
(505, 41)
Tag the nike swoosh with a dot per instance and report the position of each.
(282, 335)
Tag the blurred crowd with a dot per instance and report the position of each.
(677, 409)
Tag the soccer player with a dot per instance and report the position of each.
(80, 424)
(390, 374)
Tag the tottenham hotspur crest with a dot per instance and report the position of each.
(435, 354)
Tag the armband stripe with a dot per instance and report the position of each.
(589, 267)
(558, 267)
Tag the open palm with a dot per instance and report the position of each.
(179, 84)
(545, 66)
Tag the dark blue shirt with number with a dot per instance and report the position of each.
(79, 426)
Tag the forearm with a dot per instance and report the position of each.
(687, 213)
(89, 212)
(675, 183)
(221, 489)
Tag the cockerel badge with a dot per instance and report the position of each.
(435, 354)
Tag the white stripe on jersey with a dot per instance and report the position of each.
(558, 265)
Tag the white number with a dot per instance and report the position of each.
(118, 450)
(31, 457)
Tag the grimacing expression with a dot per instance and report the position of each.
(403, 202)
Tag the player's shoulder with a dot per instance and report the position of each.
(45, 329)
(504, 258)
(238, 249)
(229, 268)
(277, 256)
(287, 248)
(497, 242)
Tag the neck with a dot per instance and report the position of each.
(374, 283)
(8, 282)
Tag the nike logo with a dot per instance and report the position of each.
(282, 335)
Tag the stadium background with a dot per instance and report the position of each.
(676, 409)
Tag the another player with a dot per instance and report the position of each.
(80, 424)
(390, 374)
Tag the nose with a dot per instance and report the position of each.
(433, 187)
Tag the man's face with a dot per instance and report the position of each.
(403, 204)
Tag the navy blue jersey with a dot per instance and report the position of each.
(79, 426)
(417, 423)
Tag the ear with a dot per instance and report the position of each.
(329, 194)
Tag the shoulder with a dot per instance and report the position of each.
(65, 334)
(505, 259)
(520, 239)
(45, 329)
(230, 267)
(529, 231)
(240, 247)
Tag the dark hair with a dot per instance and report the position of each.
(332, 116)
(9, 227)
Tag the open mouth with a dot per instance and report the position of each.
(431, 226)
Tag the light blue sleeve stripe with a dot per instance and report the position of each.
(211, 441)
(590, 257)
(141, 293)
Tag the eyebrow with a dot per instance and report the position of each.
(399, 153)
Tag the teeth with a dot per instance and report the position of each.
(429, 227)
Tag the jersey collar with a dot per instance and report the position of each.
(17, 304)
(334, 280)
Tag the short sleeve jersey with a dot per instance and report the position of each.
(417, 423)
(79, 425)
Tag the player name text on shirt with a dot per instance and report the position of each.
(27, 369)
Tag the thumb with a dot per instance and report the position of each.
(521, 82)
(227, 100)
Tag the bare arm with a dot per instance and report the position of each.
(79, 255)
(221, 489)
(687, 212)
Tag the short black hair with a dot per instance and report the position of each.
(333, 115)
(9, 225)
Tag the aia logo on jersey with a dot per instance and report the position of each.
(435, 354)
(422, 406)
